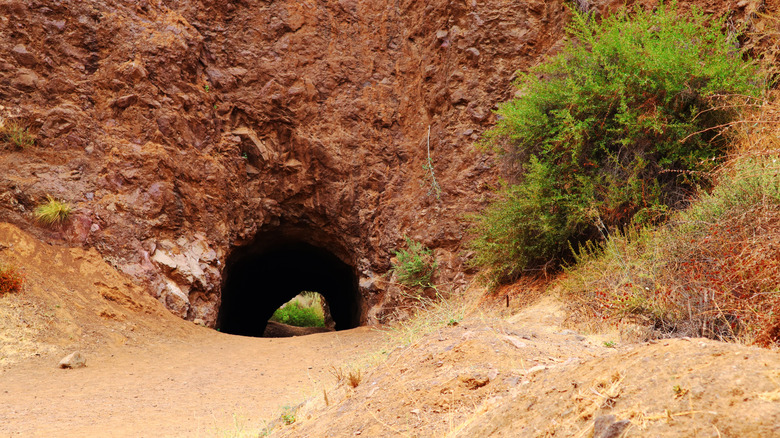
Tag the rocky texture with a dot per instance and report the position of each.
(182, 128)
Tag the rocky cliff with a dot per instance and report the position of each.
(182, 130)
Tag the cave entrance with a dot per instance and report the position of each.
(262, 276)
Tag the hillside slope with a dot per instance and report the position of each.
(528, 376)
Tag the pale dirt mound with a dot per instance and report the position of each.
(527, 377)
(279, 330)
(72, 299)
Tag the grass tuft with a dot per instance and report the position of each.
(414, 266)
(53, 212)
(16, 136)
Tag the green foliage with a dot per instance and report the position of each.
(52, 212)
(288, 415)
(11, 280)
(299, 315)
(618, 127)
(16, 136)
(414, 266)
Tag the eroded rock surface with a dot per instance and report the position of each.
(182, 129)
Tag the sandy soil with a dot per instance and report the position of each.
(207, 384)
(149, 373)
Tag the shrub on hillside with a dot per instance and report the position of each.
(619, 126)
(713, 271)
(415, 265)
(11, 280)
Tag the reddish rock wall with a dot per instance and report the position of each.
(181, 128)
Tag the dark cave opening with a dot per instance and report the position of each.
(260, 277)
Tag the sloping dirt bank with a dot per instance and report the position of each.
(528, 377)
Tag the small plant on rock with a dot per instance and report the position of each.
(414, 266)
(53, 212)
(11, 280)
(14, 135)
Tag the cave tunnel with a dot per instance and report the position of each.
(260, 277)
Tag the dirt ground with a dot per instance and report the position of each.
(150, 374)
(204, 385)
(527, 376)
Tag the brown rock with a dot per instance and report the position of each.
(25, 80)
(458, 96)
(23, 56)
(605, 426)
(333, 123)
(125, 101)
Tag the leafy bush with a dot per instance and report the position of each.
(713, 271)
(16, 136)
(52, 212)
(294, 313)
(11, 280)
(414, 266)
(618, 127)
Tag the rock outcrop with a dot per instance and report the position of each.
(182, 129)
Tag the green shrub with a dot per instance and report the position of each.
(52, 212)
(294, 313)
(617, 127)
(16, 136)
(11, 280)
(414, 266)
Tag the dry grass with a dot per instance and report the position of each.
(53, 212)
(16, 136)
(714, 269)
(351, 375)
(354, 378)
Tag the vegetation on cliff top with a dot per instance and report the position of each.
(305, 310)
(620, 127)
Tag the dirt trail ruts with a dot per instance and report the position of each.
(207, 384)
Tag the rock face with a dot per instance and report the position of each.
(183, 129)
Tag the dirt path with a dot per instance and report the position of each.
(209, 384)
(149, 373)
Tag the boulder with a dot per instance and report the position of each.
(73, 360)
